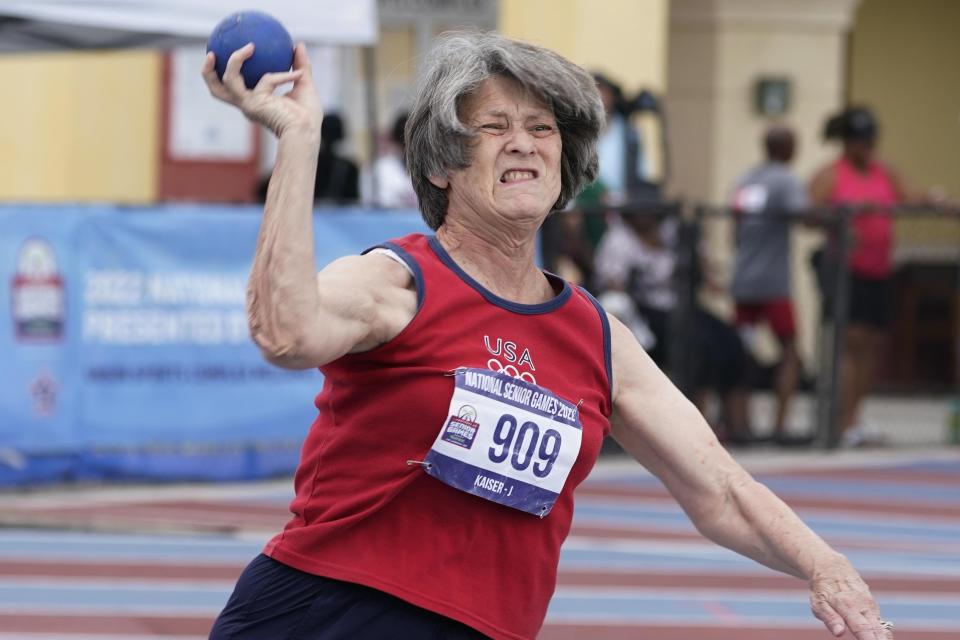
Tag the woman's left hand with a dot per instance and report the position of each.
(841, 600)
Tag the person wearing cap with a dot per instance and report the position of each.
(466, 392)
(859, 180)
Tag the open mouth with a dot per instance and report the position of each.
(517, 175)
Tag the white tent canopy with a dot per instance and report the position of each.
(98, 24)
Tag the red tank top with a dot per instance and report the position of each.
(361, 514)
(872, 252)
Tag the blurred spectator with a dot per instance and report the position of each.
(763, 198)
(620, 149)
(636, 258)
(389, 173)
(859, 180)
(338, 179)
(576, 233)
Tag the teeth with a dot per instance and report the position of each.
(516, 174)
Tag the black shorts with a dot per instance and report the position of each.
(869, 302)
(275, 602)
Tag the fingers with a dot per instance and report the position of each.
(209, 62)
(303, 90)
(231, 75)
(863, 625)
(231, 87)
(866, 626)
(209, 73)
(270, 81)
(843, 611)
(830, 618)
(301, 60)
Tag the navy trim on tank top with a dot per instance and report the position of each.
(516, 307)
(410, 262)
(607, 358)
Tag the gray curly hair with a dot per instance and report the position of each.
(438, 142)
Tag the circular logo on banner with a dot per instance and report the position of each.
(37, 293)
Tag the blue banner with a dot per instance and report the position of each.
(124, 349)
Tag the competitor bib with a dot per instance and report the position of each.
(506, 440)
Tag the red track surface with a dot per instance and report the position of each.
(212, 514)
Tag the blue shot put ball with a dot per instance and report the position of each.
(273, 47)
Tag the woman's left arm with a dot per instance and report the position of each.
(907, 194)
(659, 427)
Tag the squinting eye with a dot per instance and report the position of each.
(541, 130)
(493, 127)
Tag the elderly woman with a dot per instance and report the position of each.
(467, 392)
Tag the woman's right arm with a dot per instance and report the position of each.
(299, 318)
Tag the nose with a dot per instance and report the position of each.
(520, 141)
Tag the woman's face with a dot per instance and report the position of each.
(859, 150)
(514, 172)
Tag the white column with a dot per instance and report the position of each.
(717, 50)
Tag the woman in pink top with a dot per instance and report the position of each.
(858, 180)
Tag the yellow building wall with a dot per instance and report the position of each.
(903, 64)
(626, 39)
(80, 127)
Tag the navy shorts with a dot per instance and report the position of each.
(869, 302)
(275, 602)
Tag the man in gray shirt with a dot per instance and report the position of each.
(764, 200)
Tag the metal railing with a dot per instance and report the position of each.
(836, 222)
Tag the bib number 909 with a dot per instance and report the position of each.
(525, 445)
